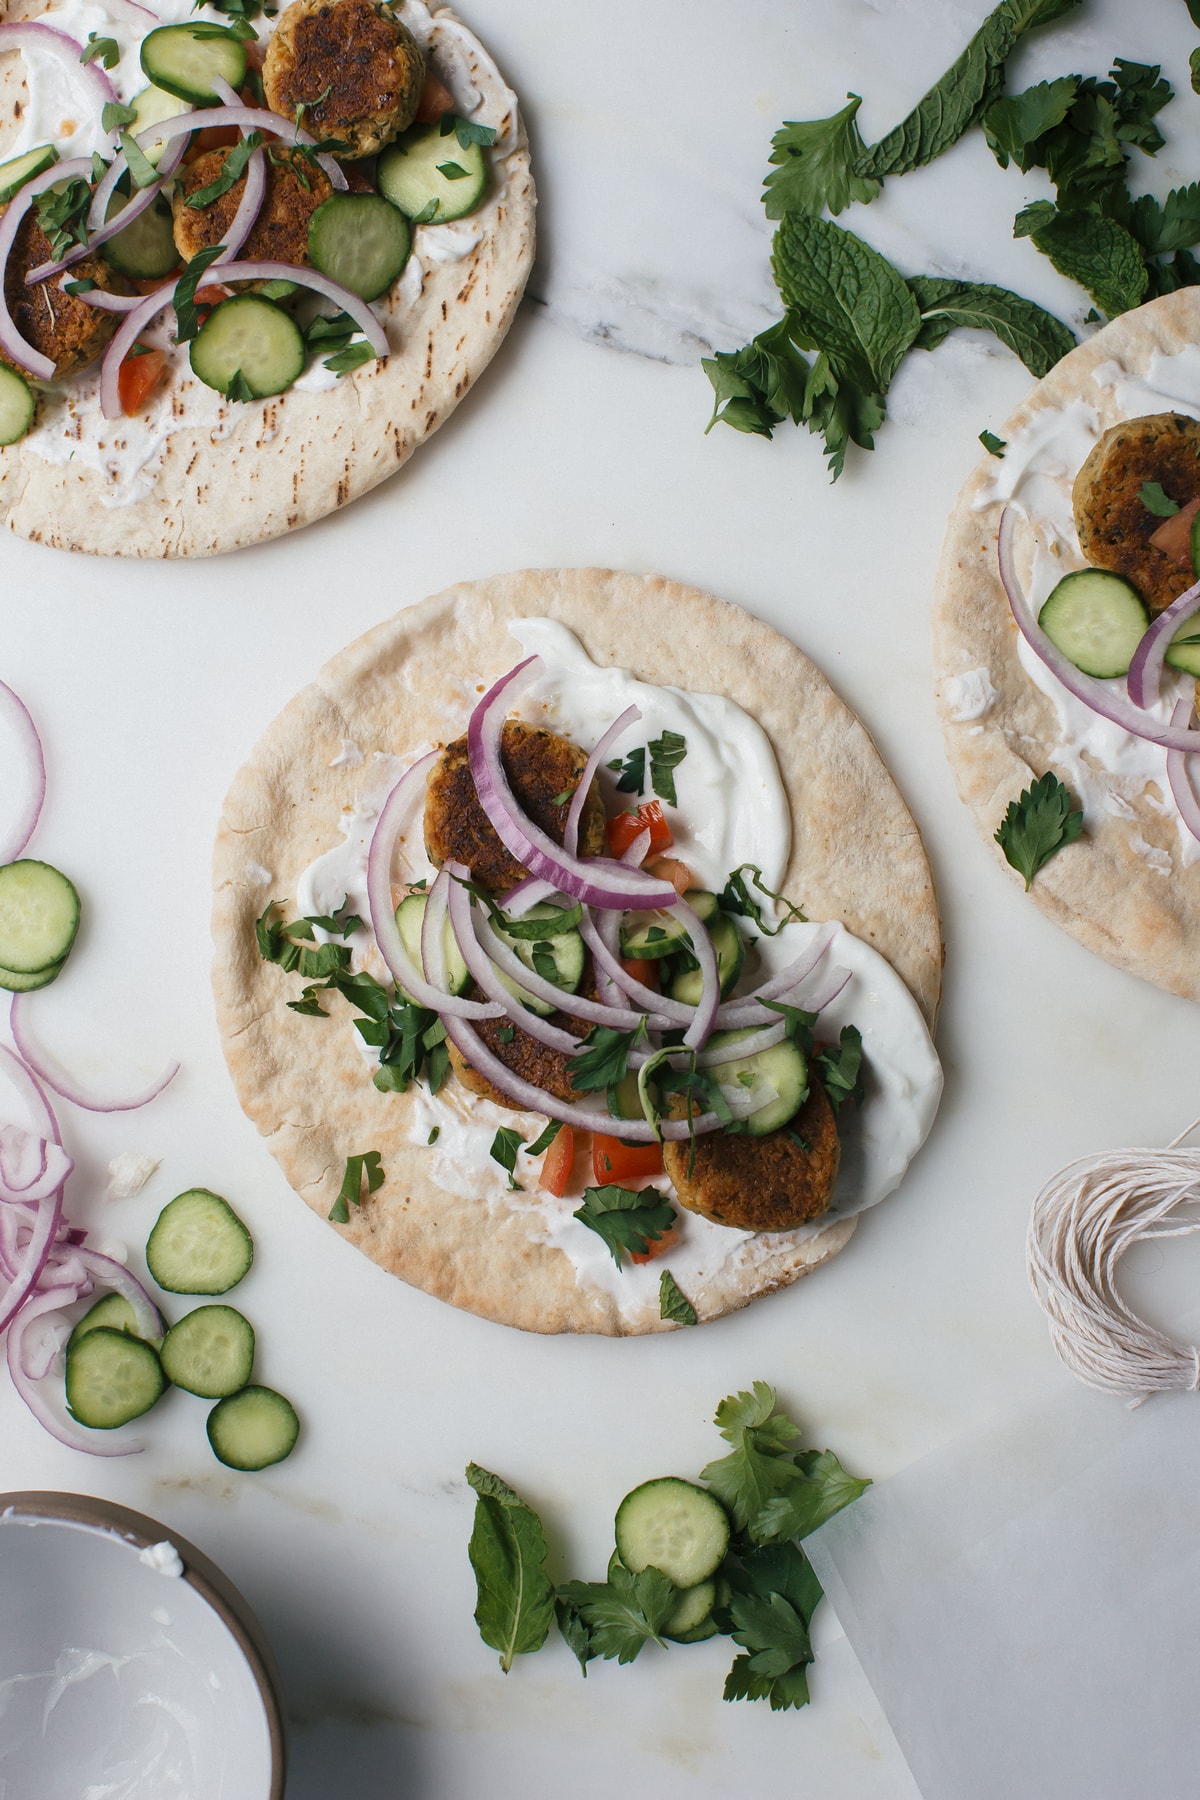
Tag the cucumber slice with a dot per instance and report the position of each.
(409, 174)
(250, 337)
(674, 1526)
(530, 1002)
(39, 916)
(27, 984)
(199, 1245)
(654, 934)
(703, 904)
(1180, 654)
(1097, 620)
(17, 405)
(20, 169)
(114, 1312)
(567, 950)
(361, 241)
(253, 1429)
(692, 1620)
(783, 1066)
(209, 1352)
(185, 60)
(146, 249)
(624, 1102)
(410, 917)
(112, 1377)
(151, 107)
(730, 947)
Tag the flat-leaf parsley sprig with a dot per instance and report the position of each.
(1038, 825)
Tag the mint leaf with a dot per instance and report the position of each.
(515, 1597)
(1156, 501)
(352, 357)
(468, 134)
(632, 779)
(1099, 254)
(103, 49)
(844, 299)
(232, 170)
(452, 171)
(1037, 825)
(757, 387)
(544, 1140)
(141, 168)
(672, 1304)
(622, 1613)
(625, 1218)
(187, 320)
(1037, 337)
(814, 165)
(1175, 225)
(113, 113)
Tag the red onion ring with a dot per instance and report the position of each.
(575, 811)
(31, 35)
(104, 190)
(30, 772)
(112, 1274)
(1179, 776)
(122, 342)
(31, 1168)
(34, 1259)
(596, 934)
(527, 842)
(11, 341)
(41, 1114)
(114, 303)
(62, 1083)
(100, 228)
(453, 897)
(225, 270)
(710, 980)
(1145, 670)
(383, 916)
(1093, 693)
(246, 118)
(249, 206)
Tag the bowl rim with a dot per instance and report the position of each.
(200, 1572)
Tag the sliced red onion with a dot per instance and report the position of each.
(66, 1085)
(724, 1053)
(575, 811)
(41, 1114)
(1116, 708)
(109, 1273)
(710, 980)
(33, 1258)
(245, 118)
(11, 341)
(733, 1015)
(27, 778)
(31, 1168)
(1179, 775)
(224, 269)
(34, 36)
(595, 1012)
(140, 203)
(638, 850)
(97, 1443)
(249, 206)
(458, 902)
(528, 893)
(1145, 670)
(114, 303)
(122, 342)
(596, 934)
(383, 915)
(527, 842)
(104, 190)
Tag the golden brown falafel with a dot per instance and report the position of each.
(62, 326)
(280, 232)
(1114, 526)
(541, 767)
(353, 67)
(524, 1055)
(771, 1183)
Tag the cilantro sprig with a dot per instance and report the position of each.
(626, 1219)
(1038, 825)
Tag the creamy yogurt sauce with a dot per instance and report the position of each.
(1110, 769)
(732, 809)
(64, 108)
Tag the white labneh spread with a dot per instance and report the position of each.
(1108, 768)
(64, 109)
(732, 810)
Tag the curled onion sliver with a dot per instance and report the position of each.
(109, 1273)
(114, 303)
(249, 206)
(1179, 776)
(458, 904)
(1146, 667)
(1117, 709)
(64, 1084)
(31, 34)
(596, 1012)
(28, 777)
(578, 799)
(246, 118)
(11, 341)
(96, 1443)
(41, 1114)
(34, 1258)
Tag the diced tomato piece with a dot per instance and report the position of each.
(435, 100)
(626, 826)
(669, 868)
(213, 137)
(656, 1246)
(357, 178)
(645, 972)
(137, 379)
(558, 1161)
(213, 294)
(617, 1162)
(147, 284)
(1174, 535)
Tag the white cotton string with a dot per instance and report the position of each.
(1083, 1222)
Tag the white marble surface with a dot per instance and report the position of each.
(650, 127)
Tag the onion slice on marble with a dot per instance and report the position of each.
(45, 1069)
(27, 779)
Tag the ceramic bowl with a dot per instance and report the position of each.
(129, 1664)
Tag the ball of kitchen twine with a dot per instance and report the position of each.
(1083, 1222)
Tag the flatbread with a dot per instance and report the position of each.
(194, 474)
(856, 856)
(1123, 889)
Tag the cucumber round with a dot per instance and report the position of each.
(430, 177)
(114, 1312)
(784, 1066)
(17, 405)
(250, 337)
(730, 947)
(1182, 656)
(112, 1377)
(209, 1352)
(361, 241)
(20, 169)
(185, 60)
(652, 935)
(28, 984)
(692, 1620)
(410, 917)
(566, 949)
(674, 1526)
(151, 107)
(1097, 620)
(39, 916)
(253, 1429)
(198, 1245)
(146, 249)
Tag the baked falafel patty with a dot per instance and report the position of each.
(541, 767)
(353, 67)
(280, 232)
(61, 325)
(1113, 523)
(771, 1183)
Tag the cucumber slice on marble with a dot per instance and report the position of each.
(209, 1352)
(198, 1245)
(253, 1429)
(112, 1377)
(39, 916)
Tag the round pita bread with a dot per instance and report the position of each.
(1122, 889)
(412, 682)
(194, 474)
